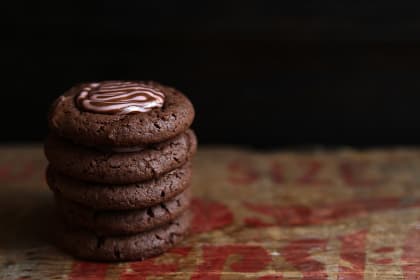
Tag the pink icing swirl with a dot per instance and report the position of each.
(118, 97)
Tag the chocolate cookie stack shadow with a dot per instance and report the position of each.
(120, 167)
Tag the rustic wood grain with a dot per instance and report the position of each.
(338, 214)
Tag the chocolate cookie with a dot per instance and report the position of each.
(121, 197)
(119, 167)
(86, 245)
(110, 223)
(120, 114)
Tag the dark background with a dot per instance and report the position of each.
(260, 73)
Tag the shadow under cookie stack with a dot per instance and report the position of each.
(120, 167)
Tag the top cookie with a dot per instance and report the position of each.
(120, 113)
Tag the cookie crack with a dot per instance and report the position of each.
(165, 208)
(158, 237)
(150, 212)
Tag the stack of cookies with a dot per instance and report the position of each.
(120, 167)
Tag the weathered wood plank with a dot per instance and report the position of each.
(280, 215)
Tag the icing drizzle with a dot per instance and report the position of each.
(119, 97)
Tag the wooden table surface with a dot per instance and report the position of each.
(281, 215)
